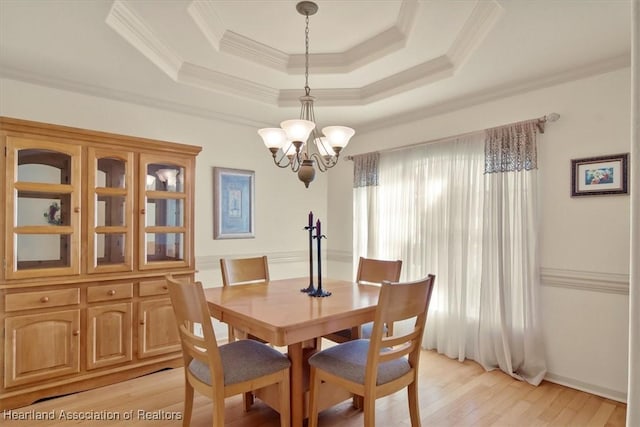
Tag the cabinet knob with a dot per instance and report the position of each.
(165, 287)
(111, 292)
(143, 211)
(76, 209)
(44, 299)
(76, 333)
(142, 322)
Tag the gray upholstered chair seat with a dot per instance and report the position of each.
(349, 360)
(242, 360)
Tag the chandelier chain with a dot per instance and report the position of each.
(306, 56)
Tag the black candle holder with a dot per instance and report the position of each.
(319, 292)
(310, 228)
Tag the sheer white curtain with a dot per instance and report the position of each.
(436, 209)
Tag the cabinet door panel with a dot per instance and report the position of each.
(108, 335)
(41, 346)
(110, 206)
(165, 216)
(157, 330)
(43, 189)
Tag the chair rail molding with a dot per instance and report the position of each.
(613, 283)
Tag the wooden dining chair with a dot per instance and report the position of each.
(381, 365)
(222, 371)
(370, 271)
(243, 271)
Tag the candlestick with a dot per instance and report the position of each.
(310, 228)
(319, 292)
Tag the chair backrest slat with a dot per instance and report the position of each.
(244, 270)
(377, 271)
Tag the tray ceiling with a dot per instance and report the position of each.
(372, 63)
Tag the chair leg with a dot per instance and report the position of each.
(218, 411)
(188, 404)
(314, 389)
(357, 402)
(248, 400)
(369, 411)
(284, 402)
(414, 408)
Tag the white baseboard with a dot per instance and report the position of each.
(607, 393)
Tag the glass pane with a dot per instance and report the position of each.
(44, 166)
(111, 173)
(110, 210)
(165, 247)
(43, 251)
(165, 177)
(110, 249)
(165, 212)
(42, 209)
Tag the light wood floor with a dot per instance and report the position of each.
(451, 394)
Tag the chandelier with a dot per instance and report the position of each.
(297, 144)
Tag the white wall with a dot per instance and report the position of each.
(282, 204)
(584, 241)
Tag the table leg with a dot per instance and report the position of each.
(297, 384)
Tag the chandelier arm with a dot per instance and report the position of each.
(324, 164)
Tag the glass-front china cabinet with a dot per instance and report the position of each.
(93, 222)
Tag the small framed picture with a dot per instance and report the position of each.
(595, 176)
(233, 206)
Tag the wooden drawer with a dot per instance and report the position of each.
(157, 286)
(41, 299)
(109, 292)
(153, 287)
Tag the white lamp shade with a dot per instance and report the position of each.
(324, 148)
(297, 130)
(273, 137)
(339, 136)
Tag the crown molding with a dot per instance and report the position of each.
(414, 77)
(124, 96)
(209, 79)
(482, 19)
(498, 92)
(222, 39)
(208, 22)
(124, 21)
(251, 50)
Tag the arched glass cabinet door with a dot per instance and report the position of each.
(43, 208)
(165, 211)
(110, 211)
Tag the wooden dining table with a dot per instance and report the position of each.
(278, 313)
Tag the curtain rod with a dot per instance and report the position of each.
(551, 117)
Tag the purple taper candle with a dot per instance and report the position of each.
(318, 232)
(310, 219)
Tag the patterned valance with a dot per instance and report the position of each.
(365, 169)
(512, 147)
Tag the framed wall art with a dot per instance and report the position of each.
(233, 206)
(595, 176)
